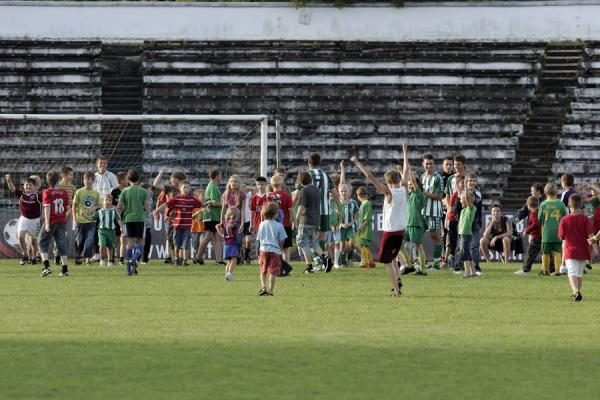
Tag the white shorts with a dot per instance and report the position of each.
(31, 226)
(575, 267)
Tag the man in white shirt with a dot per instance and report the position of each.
(104, 180)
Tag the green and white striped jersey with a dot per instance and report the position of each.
(432, 184)
(107, 218)
(349, 211)
(324, 183)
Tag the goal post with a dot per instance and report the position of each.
(33, 144)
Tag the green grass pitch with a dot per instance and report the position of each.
(188, 334)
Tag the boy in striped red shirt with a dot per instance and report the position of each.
(183, 205)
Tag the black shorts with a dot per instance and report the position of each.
(135, 229)
(210, 226)
(247, 229)
(287, 243)
(118, 230)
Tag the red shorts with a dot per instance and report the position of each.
(390, 246)
(269, 263)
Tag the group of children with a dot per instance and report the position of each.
(268, 214)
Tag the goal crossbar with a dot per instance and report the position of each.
(262, 118)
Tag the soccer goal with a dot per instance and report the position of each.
(33, 144)
(36, 143)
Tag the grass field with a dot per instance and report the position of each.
(189, 334)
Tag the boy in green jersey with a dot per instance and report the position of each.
(333, 237)
(365, 228)
(107, 220)
(415, 227)
(348, 217)
(465, 233)
(551, 212)
(133, 203)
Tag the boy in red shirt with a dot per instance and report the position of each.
(183, 205)
(55, 207)
(534, 230)
(575, 229)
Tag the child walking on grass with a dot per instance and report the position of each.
(271, 236)
(229, 230)
(576, 230)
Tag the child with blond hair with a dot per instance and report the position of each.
(229, 229)
(271, 235)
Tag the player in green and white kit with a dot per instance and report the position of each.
(348, 217)
(107, 219)
(431, 182)
(324, 183)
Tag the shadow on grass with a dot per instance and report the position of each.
(119, 370)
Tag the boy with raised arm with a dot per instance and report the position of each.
(29, 220)
(394, 214)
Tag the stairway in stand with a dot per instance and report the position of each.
(122, 94)
(537, 145)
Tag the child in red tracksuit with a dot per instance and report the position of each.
(534, 230)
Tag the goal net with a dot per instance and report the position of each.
(33, 144)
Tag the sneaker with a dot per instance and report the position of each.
(77, 261)
(199, 261)
(65, 273)
(57, 260)
(588, 266)
(95, 257)
(457, 271)
(121, 261)
(338, 266)
(110, 264)
(46, 272)
(556, 274)
(309, 270)
(23, 260)
(38, 259)
(435, 267)
(420, 273)
(129, 270)
(263, 292)
(578, 297)
(34, 261)
(372, 264)
(407, 270)
(327, 263)
(134, 267)
(168, 260)
(102, 263)
(320, 268)
(229, 276)
(520, 272)
(478, 270)
(563, 270)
